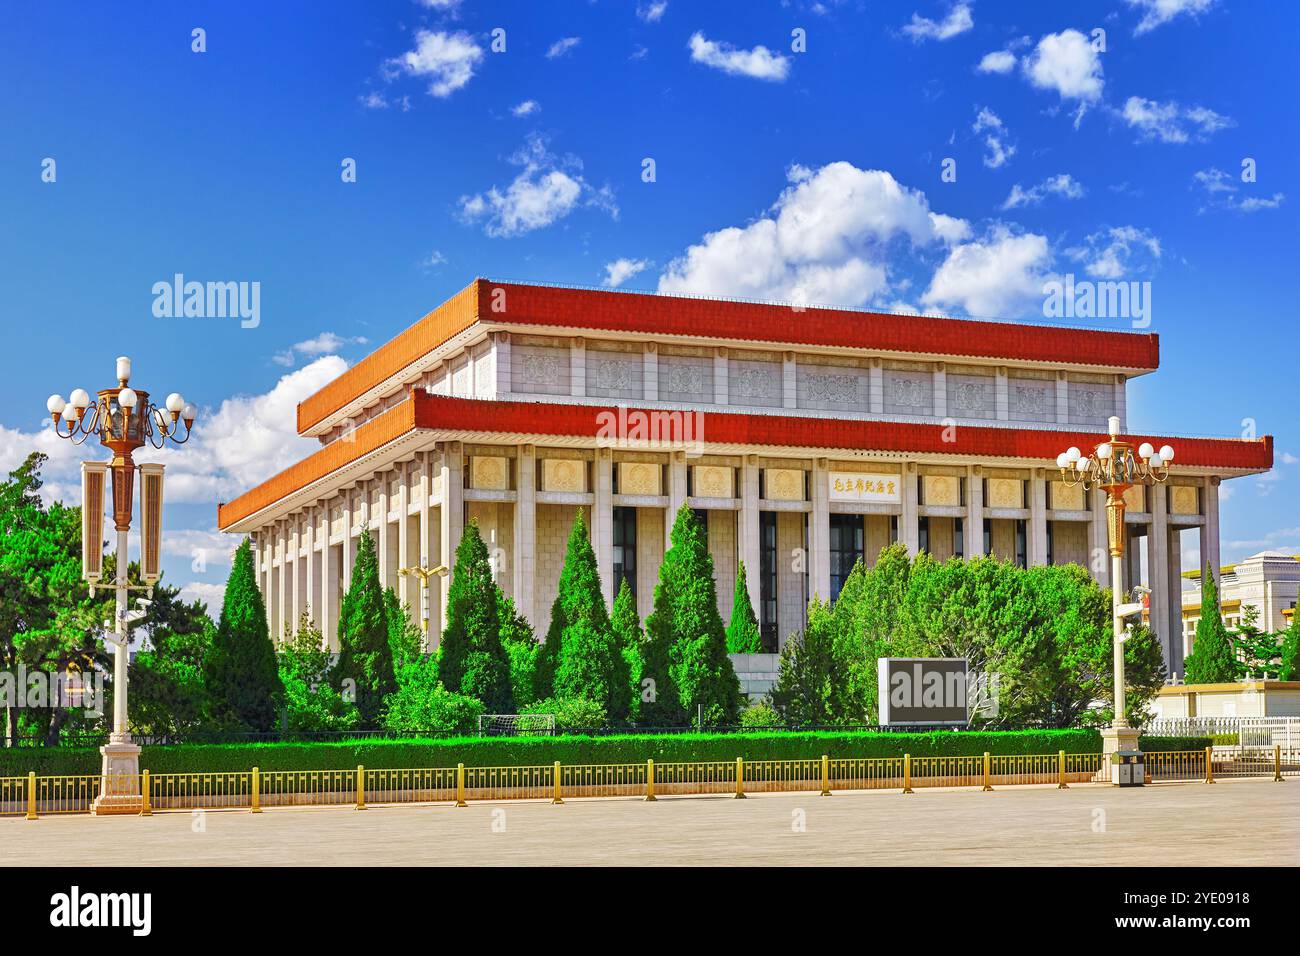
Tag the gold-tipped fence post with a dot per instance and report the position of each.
(1060, 771)
(31, 795)
(1277, 763)
(555, 774)
(1209, 765)
(361, 787)
(740, 778)
(650, 780)
(907, 773)
(255, 798)
(460, 785)
(145, 809)
(826, 775)
(987, 785)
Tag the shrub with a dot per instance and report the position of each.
(571, 712)
(422, 703)
(760, 715)
(310, 701)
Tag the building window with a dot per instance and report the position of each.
(846, 549)
(988, 535)
(958, 538)
(702, 516)
(767, 578)
(1051, 545)
(893, 529)
(923, 534)
(625, 549)
(1022, 554)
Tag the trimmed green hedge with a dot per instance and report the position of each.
(526, 751)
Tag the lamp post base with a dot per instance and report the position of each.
(1113, 740)
(119, 782)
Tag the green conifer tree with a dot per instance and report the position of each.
(365, 652)
(1290, 652)
(686, 644)
(473, 660)
(241, 673)
(627, 629)
(743, 636)
(1213, 659)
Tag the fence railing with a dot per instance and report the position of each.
(256, 789)
(1250, 731)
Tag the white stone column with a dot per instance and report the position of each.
(408, 586)
(382, 534)
(650, 366)
(721, 376)
(876, 387)
(1158, 570)
(502, 363)
(1174, 584)
(676, 494)
(973, 527)
(1121, 403)
(1210, 529)
(313, 578)
(1037, 518)
(1099, 557)
(426, 552)
(819, 531)
(910, 533)
(281, 582)
(1063, 400)
(525, 530)
(578, 367)
(1002, 395)
(940, 390)
(789, 381)
(602, 521)
(453, 515)
(747, 530)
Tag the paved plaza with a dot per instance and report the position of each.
(1234, 822)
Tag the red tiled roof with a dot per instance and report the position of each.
(762, 324)
(462, 415)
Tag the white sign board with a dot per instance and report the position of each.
(874, 489)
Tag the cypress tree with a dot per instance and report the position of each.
(473, 661)
(582, 654)
(630, 636)
(743, 635)
(686, 644)
(1290, 669)
(365, 654)
(1213, 660)
(240, 671)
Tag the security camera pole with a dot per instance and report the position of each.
(124, 420)
(1114, 467)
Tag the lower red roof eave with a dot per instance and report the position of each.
(735, 428)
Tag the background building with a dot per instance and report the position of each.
(1268, 581)
(806, 438)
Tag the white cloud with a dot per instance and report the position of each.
(561, 47)
(825, 240)
(1062, 184)
(1254, 204)
(447, 60)
(441, 4)
(997, 150)
(652, 12)
(620, 270)
(1066, 63)
(958, 21)
(999, 61)
(998, 276)
(327, 343)
(547, 189)
(374, 100)
(1171, 123)
(526, 108)
(1117, 252)
(1159, 12)
(433, 260)
(1221, 191)
(760, 63)
(213, 595)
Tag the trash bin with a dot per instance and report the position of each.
(1127, 768)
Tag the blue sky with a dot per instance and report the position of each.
(812, 174)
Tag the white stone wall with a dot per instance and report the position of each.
(496, 526)
(791, 575)
(722, 548)
(649, 555)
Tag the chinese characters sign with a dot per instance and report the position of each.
(850, 486)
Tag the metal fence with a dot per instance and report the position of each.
(255, 789)
(1283, 732)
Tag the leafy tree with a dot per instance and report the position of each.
(760, 716)
(1212, 660)
(571, 713)
(422, 703)
(1290, 652)
(743, 636)
(473, 659)
(1260, 651)
(686, 646)
(805, 691)
(240, 671)
(365, 664)
(311, 702)
(582, 655)
(630, 636)
(168, 692)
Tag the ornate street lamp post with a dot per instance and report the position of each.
(124, 420)
(1115, 466)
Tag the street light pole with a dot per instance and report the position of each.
(124, 420)
(1115, 468)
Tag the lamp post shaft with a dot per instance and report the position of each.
(121, 733)
(1117, 639)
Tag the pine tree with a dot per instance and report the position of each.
(1213, 660)
(686, 645)
(1290, 652)
(365, 654)
(404, 637)
(583, 658)
(473, 661)
(627, 629)
(241, 674)
(743, 636)
(805, 690)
